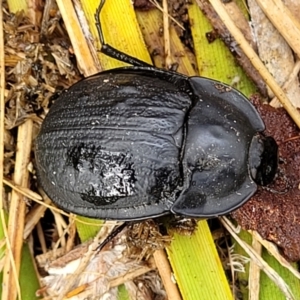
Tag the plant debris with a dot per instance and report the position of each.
(34, 73)
(143, 238)
(91, 272)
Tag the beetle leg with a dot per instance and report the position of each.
(111, 51)
(113, 234)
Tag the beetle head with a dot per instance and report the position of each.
(263, 159)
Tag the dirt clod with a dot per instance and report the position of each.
(276, 215)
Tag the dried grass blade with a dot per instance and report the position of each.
(16, 219)
(86, 62)
(257, 63)
(255, 257)
(285, 22)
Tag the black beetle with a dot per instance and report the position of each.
(139, 142)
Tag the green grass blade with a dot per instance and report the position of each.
(87, 228)
(268, 289)
(214, 59)
(197, 266)
(28, 277)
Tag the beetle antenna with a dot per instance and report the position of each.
(111, 51)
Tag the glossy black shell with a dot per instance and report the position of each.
(139, 142)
